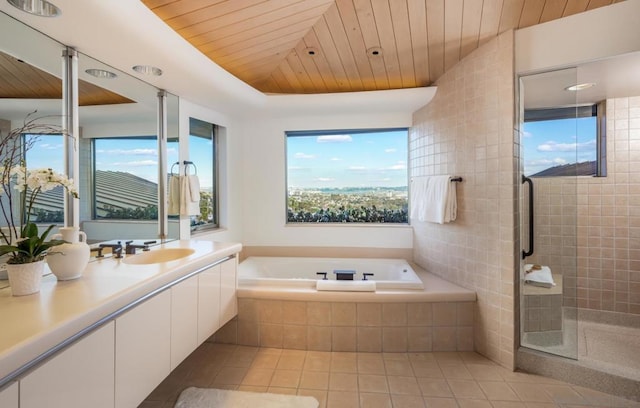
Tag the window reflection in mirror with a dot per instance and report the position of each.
(203, 154)
(119, 155)
(48, 206)
(30, 86)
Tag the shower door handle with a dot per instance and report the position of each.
(530, 251)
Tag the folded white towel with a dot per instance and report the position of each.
(194, 188)
(187, 206)
(538, 277)
(346, 286)
(174, 195)
(434, 199)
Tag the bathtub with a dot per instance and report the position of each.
(293, 272)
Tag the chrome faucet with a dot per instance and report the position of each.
(130, 248)
(116, 249)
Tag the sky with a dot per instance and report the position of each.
(557, 142)
(348, 160)
(138, 157)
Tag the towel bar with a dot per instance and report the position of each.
(186, 166)
(457, 179)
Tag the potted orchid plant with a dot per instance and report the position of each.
(20, 240)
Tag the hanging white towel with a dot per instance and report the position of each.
(174, 195)
(434, 199)
(194, 188)
(187, 205)
(418, 197)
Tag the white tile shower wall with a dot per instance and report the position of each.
(468, 130)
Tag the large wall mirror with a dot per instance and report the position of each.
(117, 141)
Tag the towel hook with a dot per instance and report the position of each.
(186, 167)
(172, 166)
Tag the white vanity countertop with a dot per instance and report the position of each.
(33, 324)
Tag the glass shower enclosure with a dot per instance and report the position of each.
(579, 205)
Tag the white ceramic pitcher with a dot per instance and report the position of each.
(68, 261)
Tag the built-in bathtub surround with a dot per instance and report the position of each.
(468, 130)
(351, 326)
(436, 318)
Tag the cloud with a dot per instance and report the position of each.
(390, 150)
(526, 134)
(357, 168)
(298, 169)
(130, 152)
(139, 163)
(334, 139)
(401, 165)
(552, 146)
(325, 179)
(335, 159)
(547, 162)
(304, 156)
(48, 146)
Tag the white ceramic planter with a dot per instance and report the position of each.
(68, 261)
(25, 279)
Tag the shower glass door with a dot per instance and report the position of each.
(550, 140)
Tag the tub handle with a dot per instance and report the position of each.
(364, 275)
(324, 274)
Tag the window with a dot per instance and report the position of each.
(564, 142)
(203, 154)
(44, 151)
(347, 176)
(126, 178)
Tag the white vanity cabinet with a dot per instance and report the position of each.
(79, 376)
(121, 362)
(9, 396)
(184, 319)
(228, 298)
(208, 302)
(143, 349)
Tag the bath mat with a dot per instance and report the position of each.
(212, 397)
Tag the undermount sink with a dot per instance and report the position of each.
(158, 256)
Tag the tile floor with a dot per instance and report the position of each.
(372, 380)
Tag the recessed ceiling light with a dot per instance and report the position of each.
(147, 70)
(36, 7)
(374, 52)
(580, 87)
(100, 73)
(310, 51)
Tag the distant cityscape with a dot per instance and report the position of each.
(348, 204)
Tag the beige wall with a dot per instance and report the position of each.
(468, 130)
(589, 229)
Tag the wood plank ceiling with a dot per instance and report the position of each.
(319, 46)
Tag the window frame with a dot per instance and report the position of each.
(331, 132)
(215, 204)
(591, 110)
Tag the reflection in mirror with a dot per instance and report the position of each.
(119, 156)
(203, 168)
(30, 87)
(112, 107)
